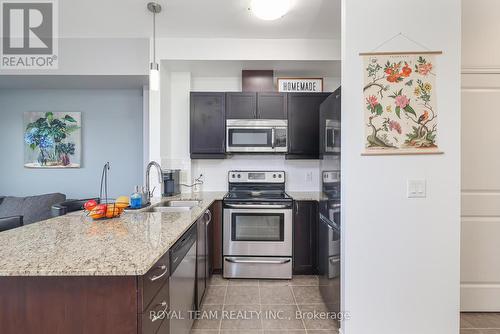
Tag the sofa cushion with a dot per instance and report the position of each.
(11, 206)
(32, 208)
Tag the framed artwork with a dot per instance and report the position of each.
(399, 99)
(300, 85)
(52, 139)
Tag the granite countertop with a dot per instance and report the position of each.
(75, 245)
(305, 195)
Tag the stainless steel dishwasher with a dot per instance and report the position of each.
(182, 282)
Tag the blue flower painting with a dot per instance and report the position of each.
(52, 139)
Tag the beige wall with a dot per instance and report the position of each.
(480, 258)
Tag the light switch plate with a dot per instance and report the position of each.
(309, 177)
(417, 189)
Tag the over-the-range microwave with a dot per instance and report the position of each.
(256, 136)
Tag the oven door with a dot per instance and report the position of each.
(257, 232)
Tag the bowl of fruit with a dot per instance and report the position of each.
(106, 209)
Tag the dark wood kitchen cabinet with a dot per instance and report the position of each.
(303, 124)
(271, 105)
(305, 237)
(249, 105)
(241, 105)
(215, 238)
(86, 304)
(208, 125)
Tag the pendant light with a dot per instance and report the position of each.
(270, 10)
(154, 67)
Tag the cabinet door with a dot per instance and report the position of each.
(305, 237)
(201, 260)
(216, 239)
(271, 105)
(241, 105)
(303, 124)
(207, 131)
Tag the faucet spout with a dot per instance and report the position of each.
(160, 178)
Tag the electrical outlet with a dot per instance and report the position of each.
(416, 189)
(309, 177)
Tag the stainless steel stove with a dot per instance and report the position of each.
(257, 224)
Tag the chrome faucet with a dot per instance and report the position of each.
(149, 193)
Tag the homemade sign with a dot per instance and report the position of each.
(300, 85)
(399, 99)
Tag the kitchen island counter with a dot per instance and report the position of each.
(75, 245)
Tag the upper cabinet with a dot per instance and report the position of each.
(271, 106)
(208, 125)
(303, 123)
(245, 105)
(241, 105)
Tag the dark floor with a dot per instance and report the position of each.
(480, 323)
(268, 297)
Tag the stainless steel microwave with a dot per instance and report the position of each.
(256, 136)
(332, 136)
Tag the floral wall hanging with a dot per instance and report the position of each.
(52, 139)
(400, 103)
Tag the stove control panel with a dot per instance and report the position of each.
(256, 177)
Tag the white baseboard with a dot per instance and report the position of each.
(480, 297)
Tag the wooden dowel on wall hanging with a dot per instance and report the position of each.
(386, 53)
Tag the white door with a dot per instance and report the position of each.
(480, 253)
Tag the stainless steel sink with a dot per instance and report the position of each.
(179, 204)
(174, 206)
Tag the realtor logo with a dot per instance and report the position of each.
(29, 34)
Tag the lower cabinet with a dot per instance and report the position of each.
(305, 237)
(154, 297)
(216, 238)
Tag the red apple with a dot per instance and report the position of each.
(90, 205)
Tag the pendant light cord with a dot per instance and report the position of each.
(154, 38)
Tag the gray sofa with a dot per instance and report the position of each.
(18, 211)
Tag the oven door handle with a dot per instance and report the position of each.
(257, 206)
(231, 260)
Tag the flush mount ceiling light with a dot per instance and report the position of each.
(270, 9)
(154, 68)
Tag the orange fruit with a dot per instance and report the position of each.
(112, 211)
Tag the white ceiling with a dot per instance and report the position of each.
(196, 18)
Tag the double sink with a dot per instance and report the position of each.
(174, 206)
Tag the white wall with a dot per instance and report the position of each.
(98, 56)
(401, 256)
(248, 49)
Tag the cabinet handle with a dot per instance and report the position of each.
(231, 260)
(165, 271)
(209, 213)
(296, 207)
(162, 313)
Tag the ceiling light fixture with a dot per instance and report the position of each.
(270, 9)
(154, 67)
